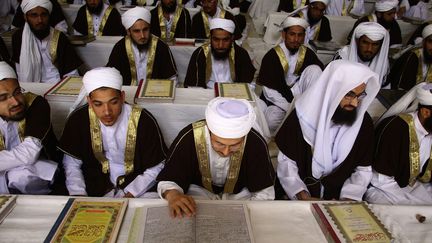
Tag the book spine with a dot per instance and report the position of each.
(55, 86)
(138, 90)
(216, 89)
(324, 224)
(60, 218)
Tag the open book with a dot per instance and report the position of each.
(7, 203)
(214, 222)
(65, 90)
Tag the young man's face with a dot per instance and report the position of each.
(107, 104)
(294, 37)
(38, 19)
(316, 11)
(225, 147)
(367, 48)
(12, 101)
(139, 32)
(427, 46)
(221, 42)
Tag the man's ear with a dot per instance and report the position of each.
(425, 113)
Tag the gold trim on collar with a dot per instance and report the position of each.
(300, 59)
(303, 2)
(282, 58)
(370, 18)
(90, 29)
(141, 2)
(163, 26)
(207, 53)
(419, 78)
(131, 58)
(96, 139)
(131, 137)
(232, 63)
(317, 31)
(53, 46)
(151, 53)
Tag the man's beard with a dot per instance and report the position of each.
(41, 34)
(427, 124)
(18, 116)
(220, 55)
(311, 20)
(293, 51)
(169, 8)
(142, 47)
(363, 58)
(344, 117)
(427, 57)
(96, 10)
(386, 25)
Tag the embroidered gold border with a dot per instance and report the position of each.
(303, 2)
(129, 154)
(173, 26)
(234, 169)
(131, 58)
(2, 143)
(232, 63)
(419, 78)
(53, 45)
(96, 139)
(222, 14)
(89, 22)
(300, 59)
(317, 31)
(206, 23)
(162, 25)
(282, 59)
(207, 50)
(370, 18)
(414, 148)
(104, 20)
(151, 53)
(201, 151)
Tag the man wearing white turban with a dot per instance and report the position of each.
(28, 154)
(326, 143)
(42, 53)
(221, 157)
(221, 60)
(369, 47)
(99, 19)
(346, 7)
(141, 55)
(385, 13)
(111, 148)
(414, 66)
(282, 67)
(170, 20)
(319, 25)
(402, 164)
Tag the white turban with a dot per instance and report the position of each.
(427, 31)
(225, 24)
(323, 1)
(385, 5)
(372, 30)
(102, 77)
(292, 21)
(229, 117)
(28, 5)
(6, 71)
(132, 15)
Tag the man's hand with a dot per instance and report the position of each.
(304, 195)
(180, 204)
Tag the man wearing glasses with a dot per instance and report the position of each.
(326, 143)
(27, 141)
(319, 25)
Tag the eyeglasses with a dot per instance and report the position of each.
(351, 96)
(6, 96)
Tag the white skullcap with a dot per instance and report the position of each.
(372, 30)
(424, 95)
(385, 5)
(6, 71)
(28, 5)
(427, 31)
(102, 77)
(323, 1)
(229, 117)
(292, 21)
(225, 24)
(132, 15)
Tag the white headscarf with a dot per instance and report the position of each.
(427, 31)
(225, 24)
(373, 31)
(229, 117)
(30, 68)
(322, 1)
(133, 15)
(419, 94)
(292, 21)
(386, 5)
(316, 106)
(6, 71)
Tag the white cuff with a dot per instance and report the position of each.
(164, 186)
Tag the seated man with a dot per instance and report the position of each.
(42, 53)
(346, 7)
(319, 25)
(99, 19)
(141, 55)
(209, 11)
(221, 60)
(281, 68)
(326, 143)
(413, 66)
(27, 143)
(370, 48)
(416, 37)
(402, 164)
(169, 21)
(385, 12)
(221, 157)
(111, 148)
(291, 5)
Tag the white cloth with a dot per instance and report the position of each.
(6, 71)
(229, 117)
(326, 2)
(28, 5)
(427, 31)
(102, 77)
(335, 7)
(292, 21)
(132, 15)
(221, 72)
(316, 106)
(420, 10)
(373, 31)
(7, 11)
(225, 24)
(225, 5)
(386, 5)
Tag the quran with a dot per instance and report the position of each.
(7, 203)
(213, 222)
(88, 220)
(65, 90)
(349, 222)
(81, 39)
(155, 90)
(234, 90)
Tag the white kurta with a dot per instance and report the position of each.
(219, 167)
(385, 190)
(221, 72)
(114, 152)
(336, 7)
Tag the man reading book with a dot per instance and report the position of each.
(111, 148)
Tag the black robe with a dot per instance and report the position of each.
(4, 53)
(392, 150)
(196, 73)
(272, 74)
(403, 73)
(182, 167)
(287, 5)
(183, 29)
(325, 30)
(417, 33)
(150, 150)
(113, 25)
(164, 66)
(291, 143)
(56, 15)
(394, 31)
(198, 30)
(67, 59)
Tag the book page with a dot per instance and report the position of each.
(235, 90)
(71, 86)
(222, 223)
(158, 88)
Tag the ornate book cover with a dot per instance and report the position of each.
(87, 220)
(234, 90)
(350, 222)
(155, 90)
(65, 90)
(7, 203)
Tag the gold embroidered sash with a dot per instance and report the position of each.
(414, 153)
(284, 62)
(28, 99)
(206, 21)
(151, 53)
(53, 46)
(204, 161)
(347, 10)
(141, 2)
(371, 18)
(97, 144)
(209, 68)
(163, 26)
(303, 2)
(419, 77)
(90, 30)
